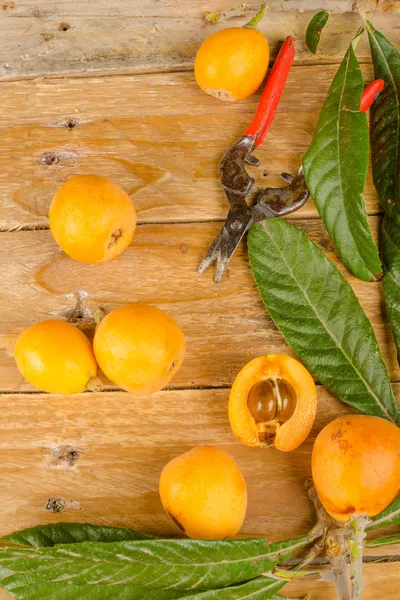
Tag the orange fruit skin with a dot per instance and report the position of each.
(55, 357)
(232, 63)
(204, 493)
(87, 214)
(292, 433)
(356, 466)
(139, 347)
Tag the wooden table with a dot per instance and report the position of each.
(107, 87)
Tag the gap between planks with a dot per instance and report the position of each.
(116, 390)
(297, 216)
(184, 68)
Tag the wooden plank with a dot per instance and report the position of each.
(133, 129)
(226, 325)
(121, 446)
(100, 457)
(379, 578)
(101, 454)
(60, 37)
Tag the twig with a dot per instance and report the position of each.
(324, 521)
(333, 538)
(356, 545)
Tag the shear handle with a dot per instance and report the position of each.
(270, 97)
(370, 94)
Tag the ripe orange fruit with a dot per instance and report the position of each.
(273, 402)
(92, 219)
(55, 357)
(204, 493)
(139, 347)
(356, 466)
(232, 63)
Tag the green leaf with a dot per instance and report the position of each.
(61, 591)
(385, 120)
(70, 533)
(257, 589)
(390, 516)
(391, 540)
(385, 149)
(319, 315)
(336, 168)
(390, 244)
(159, 563)
(314, 29)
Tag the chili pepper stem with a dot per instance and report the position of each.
(257, 18)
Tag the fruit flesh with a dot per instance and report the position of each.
(356, 466)
(232, 63)
(273, 401)
(55, 357)
(204, 493)
(139, 348)
(92, 219)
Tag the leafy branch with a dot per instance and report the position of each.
(319, 315)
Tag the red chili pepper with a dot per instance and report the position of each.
(269, 101)
(370, 93)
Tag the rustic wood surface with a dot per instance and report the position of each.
(156, 134)
(89, 88)
(70, 36)
(225, 325)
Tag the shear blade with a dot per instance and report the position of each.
(223, 248)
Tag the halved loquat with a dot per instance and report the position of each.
(92, 219)
(55, 357)
(356, 466)
(273, 402)
(139, 347)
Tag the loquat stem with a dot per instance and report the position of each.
(257, 18)
(332, 538)
(94, 385)
(99, 315)
(339, 576)
(324, 521)
(356, 546)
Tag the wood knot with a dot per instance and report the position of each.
(55, 505)
(64, 457)
(49, 158)
(70, 123)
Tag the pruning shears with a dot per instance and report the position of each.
(239, 185)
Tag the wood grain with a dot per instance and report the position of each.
(121, 444)
(105, 454)
(160, 137)
(63, 36)
(164, 151)
(382, 579)
(225, 325)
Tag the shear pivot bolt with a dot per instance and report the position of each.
(236, 224)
